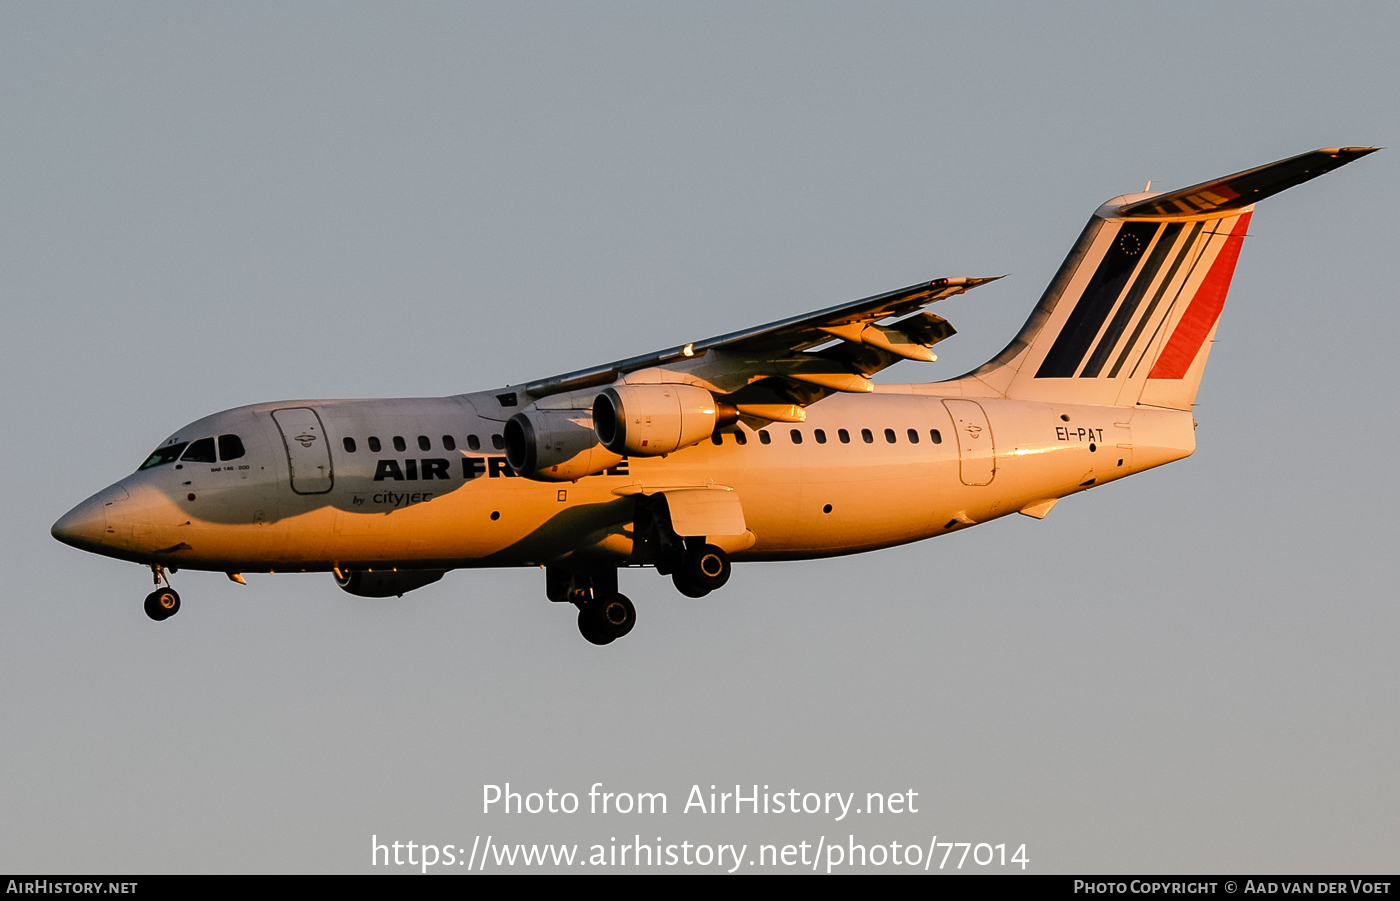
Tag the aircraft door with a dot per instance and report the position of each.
(976, 451)
(308, 451)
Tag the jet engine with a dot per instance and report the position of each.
(649, 420)
(555, 445)
(388, 583)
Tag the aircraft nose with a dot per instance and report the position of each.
(85, 525)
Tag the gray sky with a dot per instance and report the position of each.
(206, 206)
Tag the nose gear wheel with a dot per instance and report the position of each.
(162, 604)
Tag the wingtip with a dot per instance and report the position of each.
(963, 282)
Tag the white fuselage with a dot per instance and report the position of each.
(444, 504)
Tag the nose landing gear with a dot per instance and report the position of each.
(162, 603)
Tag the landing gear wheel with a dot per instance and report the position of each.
(606, 620)
(685, 587)
(617, 615)
(702, 570)
(590, 628)
(162, 604)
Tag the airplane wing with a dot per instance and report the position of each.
(783, 350)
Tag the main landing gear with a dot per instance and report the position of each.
(702, 568)
(695, 566)
(162, 603)
(606, 620)
(604, 615)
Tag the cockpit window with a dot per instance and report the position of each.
(163, 455)
(230, 447)
(201, 451)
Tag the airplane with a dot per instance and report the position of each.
(770, 443)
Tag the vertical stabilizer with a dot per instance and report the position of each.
(1131, 314)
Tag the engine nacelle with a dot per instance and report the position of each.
(555, 445)
(388, 583)
(649, 420)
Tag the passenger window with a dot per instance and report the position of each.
(498, 442)
(163, 455)
(449, 443)
(796, 436)
(934, 436)
(424, 444)
(201, 451)
(866, 436)
(473, 442)
(741, 438)
(374, 444)
(716, 439)
(844, 435)
(399, 444)
(820, 436)
(231, 447)
(913, 436)
(889, 436)
(349, 445)
(764, 437)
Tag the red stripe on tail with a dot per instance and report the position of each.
(1204, 310)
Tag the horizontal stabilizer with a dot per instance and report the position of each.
(1243, 188)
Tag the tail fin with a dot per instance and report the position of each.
(1130, 316)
